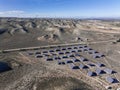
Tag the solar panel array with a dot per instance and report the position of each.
(70, 55)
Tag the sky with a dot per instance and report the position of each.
(60, 8)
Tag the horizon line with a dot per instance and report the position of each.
(62, 17)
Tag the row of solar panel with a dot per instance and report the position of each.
(62, 49)
(57, 56)
(77, 60)
(97, 72)
(72, 49)
(55, 53)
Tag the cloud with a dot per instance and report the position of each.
(12, 12)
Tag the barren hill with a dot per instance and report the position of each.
(35, 32)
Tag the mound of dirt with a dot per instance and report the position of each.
(49, 38)
(18, 26)
(18, 31)
(76, 32)
(30, 25)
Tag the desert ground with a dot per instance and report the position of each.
(21, 38)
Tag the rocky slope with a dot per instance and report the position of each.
(34, 32)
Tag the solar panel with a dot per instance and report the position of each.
(90, 73)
